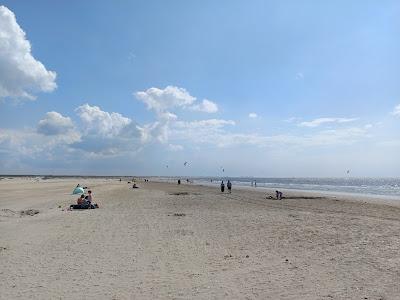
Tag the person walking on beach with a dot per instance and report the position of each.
(222, 186)
(229, 186)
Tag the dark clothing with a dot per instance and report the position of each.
(83, 206)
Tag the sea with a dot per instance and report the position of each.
(353, 185)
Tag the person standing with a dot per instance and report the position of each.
(229, 186)
(222, 186)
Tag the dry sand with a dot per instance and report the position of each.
(164, 241)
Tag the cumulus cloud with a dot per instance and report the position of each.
(172, 97)
(396, 111)
(205, 106)
(107, 133)
(320, 121)
(97, 121)
(54, 124)
(21, 74)
(253, 115)
(161, 100)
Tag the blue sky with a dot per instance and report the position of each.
(260, 88)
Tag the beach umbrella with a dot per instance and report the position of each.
(78, 190)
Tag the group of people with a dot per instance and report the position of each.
(84, 202)
(228, 185)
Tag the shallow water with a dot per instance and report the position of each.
(368, 186)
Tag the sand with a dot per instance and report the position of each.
(164, 241)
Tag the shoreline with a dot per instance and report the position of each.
(372, 198)
(203, 180)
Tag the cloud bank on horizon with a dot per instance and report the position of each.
(167, 123)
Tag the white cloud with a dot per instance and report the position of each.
(209, 123)
(205, 106)
(100, 122)
(396, 111)
(320, 121)
(253, 115)
(32, 144)
(20, 73)
(108, 133)
(209, 131)
(54, 124)
(162, 100)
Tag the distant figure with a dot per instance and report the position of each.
(211, 180)
(255, 183)
(134, 186)
(277, 195)
(120, 180)
(229, 186)
(222, 186)
(280, 195)
(187, 180)
(179, 181)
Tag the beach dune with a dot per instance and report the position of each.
(164, 241)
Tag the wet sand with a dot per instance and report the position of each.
(164, 241)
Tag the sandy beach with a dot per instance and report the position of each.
(164, 241)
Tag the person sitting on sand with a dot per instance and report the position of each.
(229, 186)
(89, 197)
(222, 186)
(81, 200)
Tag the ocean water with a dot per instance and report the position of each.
(368, 186)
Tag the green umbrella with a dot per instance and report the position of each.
(78, 190)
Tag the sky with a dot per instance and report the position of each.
(233, 88)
